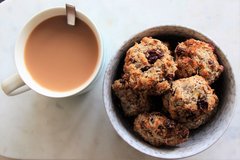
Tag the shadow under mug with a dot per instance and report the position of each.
(23, 81)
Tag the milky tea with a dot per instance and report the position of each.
(61, 57)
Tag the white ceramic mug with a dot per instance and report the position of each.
(23, 81)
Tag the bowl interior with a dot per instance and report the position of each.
(201, 138)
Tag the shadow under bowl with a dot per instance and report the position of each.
(201, 138)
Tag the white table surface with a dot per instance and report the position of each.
(37, 127)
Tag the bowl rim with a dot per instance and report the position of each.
(122, 131)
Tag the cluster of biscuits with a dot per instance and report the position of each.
(181, 79)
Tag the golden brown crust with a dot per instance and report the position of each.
(191, 101)
(149, 70)
(149, 66)
(197, 57)
(132, 102)
(159, 130)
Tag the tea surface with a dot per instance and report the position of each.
(61, 57)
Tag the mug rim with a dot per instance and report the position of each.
(21, 65)
(121, 129)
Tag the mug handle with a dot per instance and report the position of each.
(14, 85)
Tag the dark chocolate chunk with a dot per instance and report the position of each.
(122, 81)
(145, 68)
(151, 120)
(202, 104)
(132, 60)
(169, 124)
(210, 62)
(154, 55)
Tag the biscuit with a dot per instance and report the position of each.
(149, 66)
(197, 57)
(159, 130)
(132, 102)
(191, 101)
